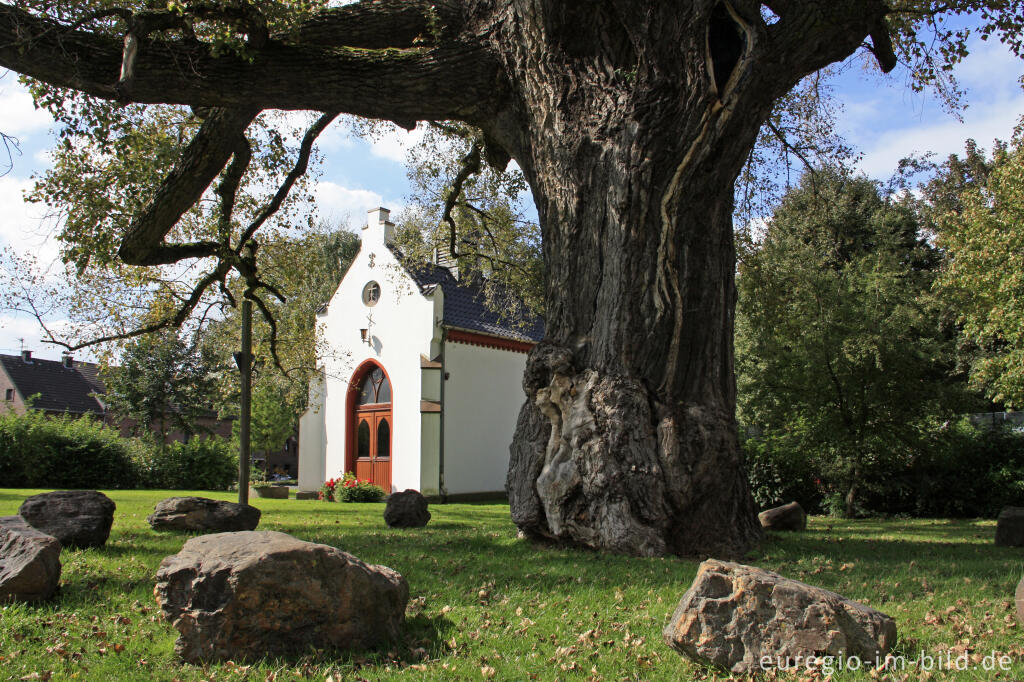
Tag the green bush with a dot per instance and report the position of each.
(780, 471)
(963, 472)
(958, 471)
(37, 451)
(200, 464)
(360, 491)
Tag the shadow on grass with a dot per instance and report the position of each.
(469, 549)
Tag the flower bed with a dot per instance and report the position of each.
(348, 488)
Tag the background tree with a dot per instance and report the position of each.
(473, 216)
(840, 347)
(630, 122)
(980, 226)
(306, 269)
(162, 383)
(273, 418)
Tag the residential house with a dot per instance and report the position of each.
(74, 388)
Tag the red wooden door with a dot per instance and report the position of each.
(373, 429)
(373, 446)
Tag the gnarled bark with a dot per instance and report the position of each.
(632, 148)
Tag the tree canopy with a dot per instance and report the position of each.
(840, 342)
(163, 383)
(979, 219)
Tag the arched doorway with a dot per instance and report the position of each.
(371, 425)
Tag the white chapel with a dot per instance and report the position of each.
(421, 383)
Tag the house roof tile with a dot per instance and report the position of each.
(56, 388)
(465, 306)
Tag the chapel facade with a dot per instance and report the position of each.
(421, 383)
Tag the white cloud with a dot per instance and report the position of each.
(22, 331)
(943, 138)
(25, 227)
(889, 122)
(18, 115)
(393, 144)
(335, 203)
(989, 66)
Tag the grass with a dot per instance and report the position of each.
(484, 603)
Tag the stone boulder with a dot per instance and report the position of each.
(1020, 601)
(29, 562)
(77, 518)
(252, 594)
(203, 514)
(787, 517)
(407, 509)
(747, 619)
(1010, 527)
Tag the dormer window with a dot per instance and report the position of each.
(371, 293)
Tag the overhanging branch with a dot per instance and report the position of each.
(882, 48)
(297, 171)
(451, 80)
(383, 23)
(201, 162)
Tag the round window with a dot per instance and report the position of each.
(371, 293)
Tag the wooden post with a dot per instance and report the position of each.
(244, 361)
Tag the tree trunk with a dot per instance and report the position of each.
(627, 441)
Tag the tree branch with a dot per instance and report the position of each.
(297, 171)
(839, 27)
(272, 323)
(175, 320)
(882, 47)
(454, 80)
(784, 141)
(470, 167)
(203, 158)
(380, 24)
(228, 188)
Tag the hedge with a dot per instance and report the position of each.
(39, 451)
(959, 471)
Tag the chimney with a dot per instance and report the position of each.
(443, 257)
(378, 230)
(26, 356)
(67, 360)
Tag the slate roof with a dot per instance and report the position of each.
(465, 307)
(76, 390)
(59, 388)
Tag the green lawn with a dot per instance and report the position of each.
(483, 603)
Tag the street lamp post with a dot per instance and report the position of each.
(244, 361)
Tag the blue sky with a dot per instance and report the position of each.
(881, 116)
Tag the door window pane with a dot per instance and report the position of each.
(367, 392)
(375, 388)
(363, 439)
(383, 438)
(384, 390)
